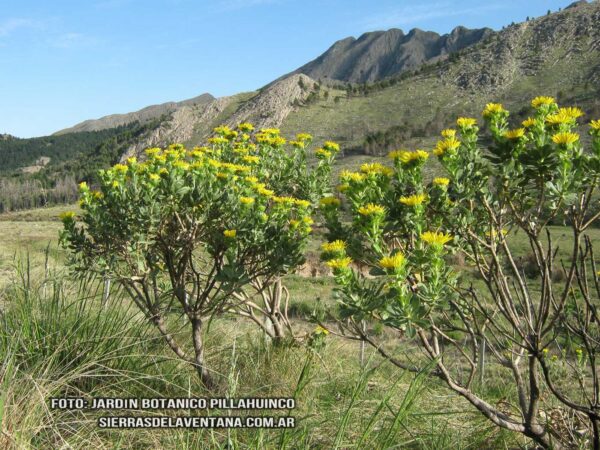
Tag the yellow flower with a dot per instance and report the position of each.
(542, 101)
(251, 159)
(251, 179)
(449, 133)
(329, 201)
(294, 223)
(565, 138)
(181, 165)
(297, 144)
(230, 233)
(321, 330)
(302, 203)
(392, 262)
(245, 127)
(223, 129)
(529, 122)
(247, 200)
(270, 131)
(334, 247)
(339, 263)
(493, 108)
(371, 209)
(308, 220)
(120, 168)
(407, 157)
(435, 238)
(152, 151)
(284, 200)
(575, 113)
(441, 181)
(445, 145)
(331, 146)
(560, 118)
(321, 152)
(376, 168)
(413, 200)
(131, 160)
(265, 192)
(342, 187)
(595, 124)
(352, 176)
(154, 177)
(218, 140)
(222, 175)
(83, 187)
(67, 216)
(302, 137)
(115, 184)
(466, 122)
(514, 134)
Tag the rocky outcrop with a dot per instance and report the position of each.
(380, 54)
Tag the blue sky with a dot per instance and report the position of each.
(62, 62)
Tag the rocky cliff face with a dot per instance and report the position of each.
(193, 124)
(380, 54)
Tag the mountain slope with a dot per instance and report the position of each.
(143, 115)
(381, 54)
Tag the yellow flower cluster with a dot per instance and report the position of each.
(371, 209)
(514, 134)
(351, 176)
(339, 263)
(435, 238)
(120, 168)
(448, 144)
(303, 137)
(331, 146)
(392, 262)
(247, 200)
(565, 138)
(376, 169)
(440, 181)
(246, 127)
(230, 233)
(251, 159)
(528, 123)
(466, 122)
(448, 133)
(67, 216)
(329, 201)
(322, 153)
(413, 200)
(542, 101)
(407, 157)
(595, 124)
(493, 108)
(334, 247)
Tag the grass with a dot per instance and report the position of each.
(56, 341)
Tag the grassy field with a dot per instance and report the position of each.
(56, 341)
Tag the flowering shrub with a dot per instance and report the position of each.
(402, 228)
(195, 227)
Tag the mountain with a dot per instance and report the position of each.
(381, 54)
(409, 103)
(143, 115)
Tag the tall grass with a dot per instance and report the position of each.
(56, 340)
